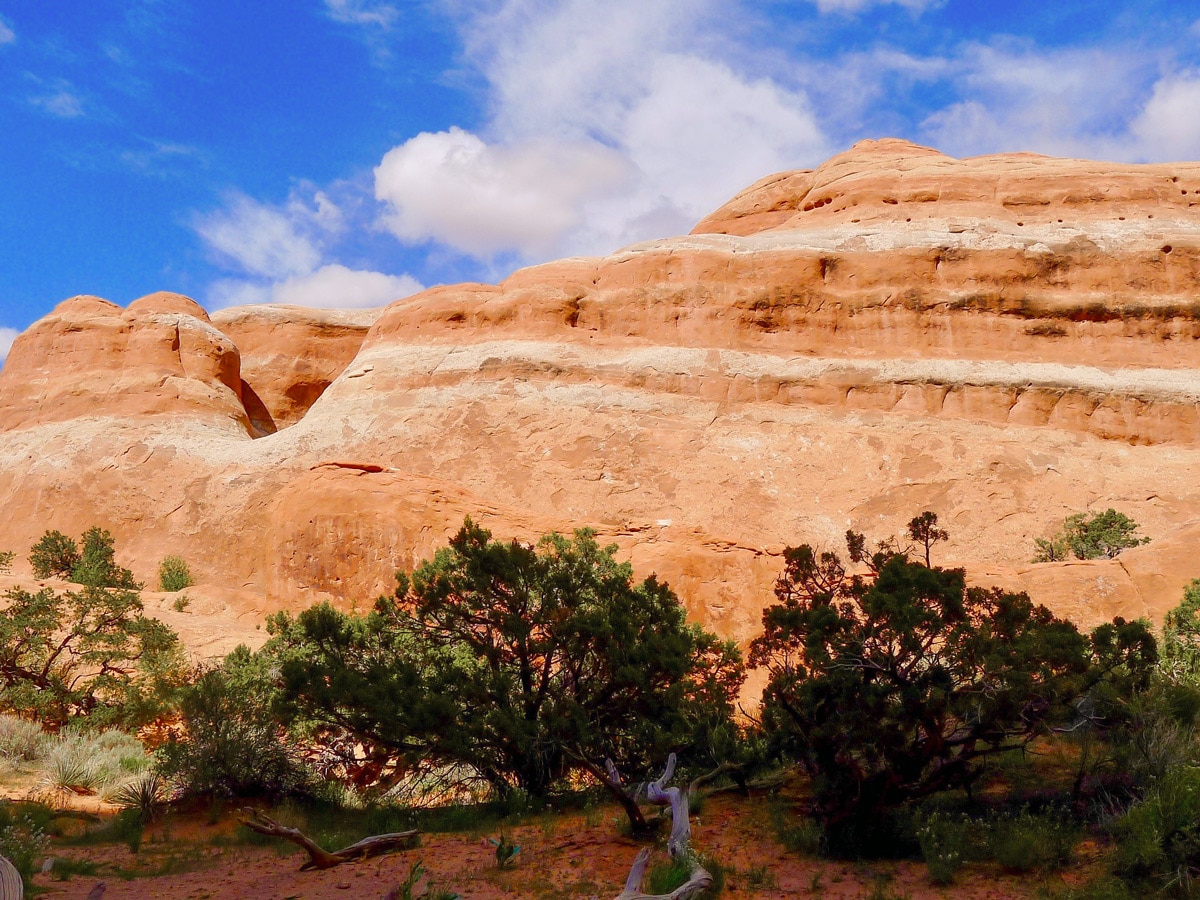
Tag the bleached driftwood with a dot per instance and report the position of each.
(320, 858)
(11, 887)
(611, 779)
(677, 844)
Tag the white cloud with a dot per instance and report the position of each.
(278, 253)
(362, 12)
(1074, 102)
(260, 239)
(332, 286)
(337, 287)
(236, 292)
(7, 35)
(609, 124)
(1168, 127)
(62, 103)
(7, 336)
(481, 199)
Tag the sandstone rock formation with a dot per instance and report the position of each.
(1004, 340)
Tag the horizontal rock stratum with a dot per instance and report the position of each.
(1003, 340)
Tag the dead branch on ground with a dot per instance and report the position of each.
(320, 858)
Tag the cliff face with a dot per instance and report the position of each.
(1004, 340)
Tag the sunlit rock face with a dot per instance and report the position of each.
(1003, 340)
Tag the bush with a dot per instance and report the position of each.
(6, 561)
(23, 840)
(22, 740)
(898, 682)
(54, 556)
(97, 566)
(1099, 536)
(173, 574)
(1159, 838)
(1181, 637)
(1026, 842)
(232, 746)
(78, 653)
(943, 840)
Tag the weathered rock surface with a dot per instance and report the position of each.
(1003, 340)
(289, 355)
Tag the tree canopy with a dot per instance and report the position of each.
(515, 662)
(891, 683)
(78, 652)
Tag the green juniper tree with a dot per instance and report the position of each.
(515, 662)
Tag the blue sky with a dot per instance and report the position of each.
(345, 152)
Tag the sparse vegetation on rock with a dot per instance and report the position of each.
(174, 574)
(1098, 536)
(54, 556)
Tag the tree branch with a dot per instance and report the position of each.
(320, 858)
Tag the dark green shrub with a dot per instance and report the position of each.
(597, 664)
(97, 566)
(232, 745)
(6, 561)
(174, 574)
(1159, 838)
(54, 556)
(899, 681)
(1028, 841)
(78, 653)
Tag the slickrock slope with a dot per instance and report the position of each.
(1004, 340)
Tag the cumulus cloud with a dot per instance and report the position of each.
(454, 188)
(332, 286)
(7, 336)
(1168, 125)
(279, 255)
(337, 287)
(609, 124)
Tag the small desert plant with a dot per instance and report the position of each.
(506, 851)
(1025, 842)
(6, 561)
(22, 740)
(145, 795)
(63, 868)
(70, 771)
(404, 890)
(760, 877)
(943, 840)
(181, 602)
(800, 835)
(22, 842)
(670, 873)
(173, 574)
